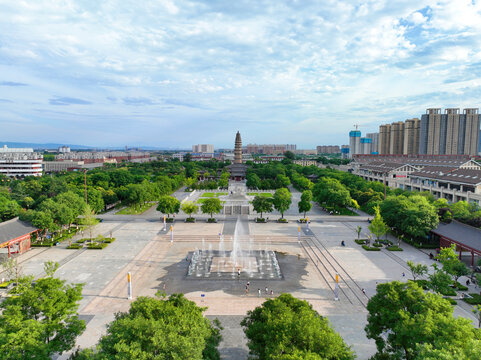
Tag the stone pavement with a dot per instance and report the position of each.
(146, 251)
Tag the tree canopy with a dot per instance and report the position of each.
(288, 328)
(282, 200)
(168, 205)
(262, 204)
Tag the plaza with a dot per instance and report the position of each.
(307, 270)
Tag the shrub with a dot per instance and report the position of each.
(109, 240)
(97, 246)
(75, 246)
(461, 287)
(211, 220)
(190, 220)
(452, 301)
(5, 284)
(81, 241)
(261, 220)
(302, 221)
(43, 244)
(475, 299)
(369, 248)
(360, 241)
(378, 245)
(394, 248)
(449, 292)
(282, 220)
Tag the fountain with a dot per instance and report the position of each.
(237, 263)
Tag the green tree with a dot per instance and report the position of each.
(40, 320)
(451, 264)
(477, 312)
(305, 204)
(28, 202)
(253, 181)
(282, 200)
(401, 316)
(282, 181)
(417, 270)
(154, 328)
(224, 180)
(439, 281)
(187, 157)
(190, 208)
(288, 328)
(358, 231)
(261, 205)
(89, 219)
(289, 155)
(211, 206)
(168, 205)
(377, 226)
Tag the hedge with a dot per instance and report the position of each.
(394, 248)
(75, 246)
(97, 246)
(368, 248)
(475, 299)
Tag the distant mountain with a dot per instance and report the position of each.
(53, 146)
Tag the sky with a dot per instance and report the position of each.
(171, 74)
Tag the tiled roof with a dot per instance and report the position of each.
(461, 233)
(14, 228)
(463, 176)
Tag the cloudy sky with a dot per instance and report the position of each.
(172, 73)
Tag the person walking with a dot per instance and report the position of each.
(267, 290)
(258, 292)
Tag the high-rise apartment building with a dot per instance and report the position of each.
(384, 139)
(451, 133)
(396, 141)
(471, 137)
(328, 149)
(354, 142)
(374, 142)
(411, 136)
(203, 148)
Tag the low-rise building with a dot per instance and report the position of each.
(20, 162)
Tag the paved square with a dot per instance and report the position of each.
(156, 263)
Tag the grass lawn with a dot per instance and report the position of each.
(266, 195)
(200, 201)
(132, 210)
(221, 194)
(208, 194)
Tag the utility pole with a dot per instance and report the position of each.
(85, 182)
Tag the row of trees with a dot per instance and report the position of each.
(170, 205)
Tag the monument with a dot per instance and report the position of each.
(237, 169)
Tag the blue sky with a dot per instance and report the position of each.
(174, 73)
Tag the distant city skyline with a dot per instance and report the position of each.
(172, 74)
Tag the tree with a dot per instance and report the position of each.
(155, 328)
(41, 319)
(289, 155)
(288, 328)
(282, 181)
(187, 157)
(190, 208)
(417, 270)
(377, 226)
(224, 180)
(451, 264)
(28, 202)
(262, 204)
(358, 231)
(253, 181)
(401, 316)
(305, 204)
(211, 206)
(477, 312)
(439, 281)
(282, 200)
(168, 205)
(89, 219)
(12, 269)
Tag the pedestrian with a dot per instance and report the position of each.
(258, 292)
(248, 283)
(238, 272)
(163, 287)
(267, 290)
(363, 291)
(272, 292)
(404, 274)
(467, 282)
